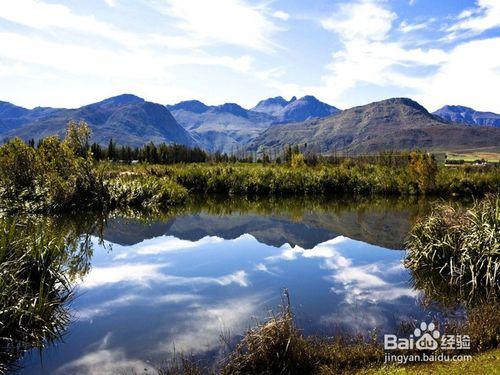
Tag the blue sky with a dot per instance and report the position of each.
(69, 52)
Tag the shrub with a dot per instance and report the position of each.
(423, 170)
(298, 161)
(17, 169)
(36, 270)
(144, 191)
(462, 245)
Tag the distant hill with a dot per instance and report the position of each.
(128, 119)
(295, 110)
(13, 116)
(220, 128)
(305, 108)
(396, 124)
(272, 105)
(229, 126)
(466, 115)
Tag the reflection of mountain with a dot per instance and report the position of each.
(382, 227)
(271, 230)
(131, 231)
(385, 228)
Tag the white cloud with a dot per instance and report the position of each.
(484, 17)
(86, 55)
(105, 361)
(145, 274)
(141, 274)
(282, 15)
(406, 27)
(434, 76)
(107, 307)
(202, 327)
(364, 20)
(470, 75)
(224, 21)
(166, 244)
(111, 3)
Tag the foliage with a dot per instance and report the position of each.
(53, 177)
(68, 175)
(150, 153)
(60, 175)
(37, 266)
(298, 161)
(145, 192)
(423, 169)
(462, 245)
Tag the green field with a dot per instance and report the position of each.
(492, 156)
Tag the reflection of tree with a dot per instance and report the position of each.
(39, 260)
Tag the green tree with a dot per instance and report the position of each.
(298, 161)
(78, 137)
(423, 170)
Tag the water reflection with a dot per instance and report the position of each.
(298, 221)
(177, 280)
(39, 261)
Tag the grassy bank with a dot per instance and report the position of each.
(241, 179)
(483, 363)
(63, 175)
(277, 346)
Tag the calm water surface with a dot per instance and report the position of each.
(175, 282)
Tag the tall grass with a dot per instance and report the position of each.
(361, 180)
(462, 245)
(36, 270)
(144, 192)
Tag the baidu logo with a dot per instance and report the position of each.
(426, 337)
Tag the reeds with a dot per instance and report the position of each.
(277, 346)
(462, 245)
(35, 288)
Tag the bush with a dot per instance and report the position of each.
(36, 270)
(52, 177)
(145, 192)
(462, 245)
(278, 347)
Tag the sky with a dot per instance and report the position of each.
(67, 53)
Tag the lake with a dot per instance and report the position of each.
(156, 284)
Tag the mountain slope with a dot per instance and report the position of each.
(13, 116)
(466, 115)
(126, 118)
(220, 128)
(294, 110)
(229, 126)
(397, 123)
(272, 105)
(303, 109)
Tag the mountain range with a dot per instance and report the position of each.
(397, 123)
(394, 124)
(127, 119)
(228, 127)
